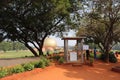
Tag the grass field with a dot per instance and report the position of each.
(97, 55)
(15, 54)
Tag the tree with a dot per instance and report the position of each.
(102, 23)
(31, 21)
(10, 45)
(5, 46)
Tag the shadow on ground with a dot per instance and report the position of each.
(100, 71)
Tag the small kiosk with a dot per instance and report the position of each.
(74, 56)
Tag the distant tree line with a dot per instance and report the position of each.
(10, 45)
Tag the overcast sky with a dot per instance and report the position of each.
(60, 42)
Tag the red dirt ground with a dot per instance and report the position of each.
(100, 71)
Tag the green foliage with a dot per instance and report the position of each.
(17, 69)
(91, 60)
(3, 72)
(112, 57)
(15, 54)
(45, 53)
(9, 45)
(56, 51)
(57, 57)
(99, 25)
(61, 60)
(98, 56)
(37, 19)
(50, 52)
(42, 63)
(36, 64)
(47, 62)
(28, 66)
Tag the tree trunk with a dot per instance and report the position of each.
(32, 50)
(107, 55)
(41, 46)
(40, 50)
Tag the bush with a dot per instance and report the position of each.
(25, 67)
(112, 57)
(46, 61)
(91, 60)
(28, 66)
(61, 60)
(103, 57)
(98, 56)
(36, 65)
(57, 57)
(40, 64)
(3, 72)
(17, 69)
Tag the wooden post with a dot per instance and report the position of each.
(66, 50)
(82, 55)
(78, 49)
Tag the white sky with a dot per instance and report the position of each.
(60, 42)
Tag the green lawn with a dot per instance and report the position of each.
(98, 55)
(15, 54)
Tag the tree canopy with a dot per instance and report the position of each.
(31, 21)
(102, 23)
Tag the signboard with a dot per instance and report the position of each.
(73, 56)
(85, 47)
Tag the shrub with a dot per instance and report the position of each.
(45, 53)
(103, 57)
(112, 57)
(57, 57)
(36, 64)
(39, 64)
(28, 66)
(17, 69)
(61, 60)
(91, 60)
(46, 61)
(42, 63)
(98, 56)
(3, 72)
(51, 52)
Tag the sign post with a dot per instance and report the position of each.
(73, 56)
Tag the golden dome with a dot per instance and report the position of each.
(50, 42)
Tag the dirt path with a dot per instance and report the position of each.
(100, 71)
(15, 61)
